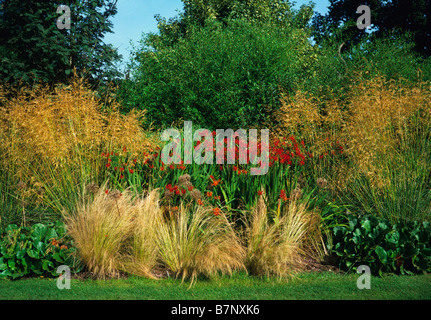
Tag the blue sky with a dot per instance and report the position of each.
(135, 17)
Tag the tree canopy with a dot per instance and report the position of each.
(33, 48)
(393, 17)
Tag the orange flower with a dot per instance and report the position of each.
(63, 247)
(216, 211)
(209, 194)
(200, 202)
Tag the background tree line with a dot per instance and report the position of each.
(219, 63)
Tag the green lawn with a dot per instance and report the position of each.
(306, 286)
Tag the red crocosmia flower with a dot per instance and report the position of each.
(135, 160)
(172, 167)
(109, 160)
(215, 183)
(302, 162)
(216, 211)
(162, 168)
(106, 191)
(177, 191)
(121, 177)
(121, 169)
(209, 194)
(200, 202)
(321, 156)
(283, 195)
(124, 149)
(131, 170)
(108, 165)
(183, 191)
(217, 197)
(190, 188)
(260, 192)
(115, 168)
(235, 168)
(169, 186)
(103, 154)
(151, 166)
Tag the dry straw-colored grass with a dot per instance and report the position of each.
(278, 247)
(115, 233)
(194, 242)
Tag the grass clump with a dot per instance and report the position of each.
(195, 242)
(278, 247)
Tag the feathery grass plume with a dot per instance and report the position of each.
(55, 138)
(304, 115)
(319, 123)
(111, 232)
(277, 248)
(143, 255)
(194, 242)
(389, 129)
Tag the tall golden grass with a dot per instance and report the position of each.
(383, 127)
(53, 139)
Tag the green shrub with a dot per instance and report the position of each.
(218, 76)
(36, 250)
(403, 247)
(338, 65)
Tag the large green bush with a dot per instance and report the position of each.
(218, 76)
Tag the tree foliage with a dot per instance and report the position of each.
(221, 64)
(277, 13)
(33, 48)
(394, 17)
